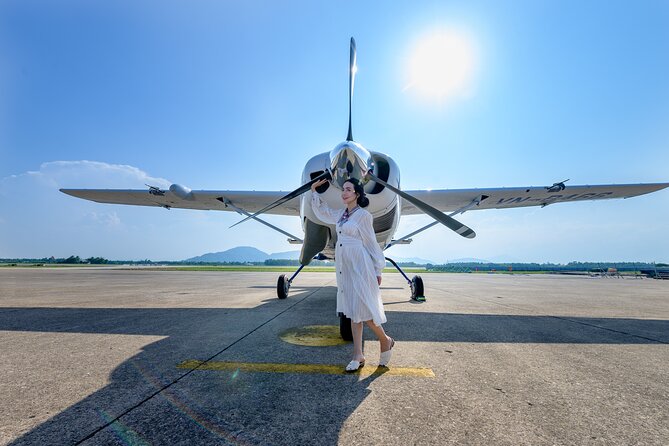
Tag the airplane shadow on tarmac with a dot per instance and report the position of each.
(171, 405)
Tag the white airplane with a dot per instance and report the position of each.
(381, 178)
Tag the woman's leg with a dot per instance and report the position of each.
(381, 334)
(356, 330)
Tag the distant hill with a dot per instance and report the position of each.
(505, 259)
(238, 254)
(496, 259)
(242, 254)
(469, 260)
(416, 260)
(290, 255)
(251, 254)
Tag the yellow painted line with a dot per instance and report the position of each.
(322, 369)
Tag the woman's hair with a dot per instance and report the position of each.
(363, 201)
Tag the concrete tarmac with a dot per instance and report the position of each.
(91, 356)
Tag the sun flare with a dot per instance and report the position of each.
(442, 65)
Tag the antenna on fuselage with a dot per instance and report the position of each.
(351, 79)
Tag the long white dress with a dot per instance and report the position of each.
(358, 261)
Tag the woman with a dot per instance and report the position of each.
(359, 262)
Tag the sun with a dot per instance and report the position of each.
(441, 65)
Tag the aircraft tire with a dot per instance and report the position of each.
(345, 328)
(282, 287)
(417, 289)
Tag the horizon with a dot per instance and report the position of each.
(398, 259)
(240, 96)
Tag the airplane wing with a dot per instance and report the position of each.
(181, 198)
(513, 197)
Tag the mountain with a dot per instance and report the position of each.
(469, 260)
(251, 254)
(416, 260)
(238, 254)
(506, 259)
(243, 254)
(290, 255)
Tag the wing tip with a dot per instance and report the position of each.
(71, 192)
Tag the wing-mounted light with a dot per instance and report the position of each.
(350, 160)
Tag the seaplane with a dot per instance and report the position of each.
(388, 202)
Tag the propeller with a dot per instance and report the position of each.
(352, 69)
(296, 193)
(442, 218)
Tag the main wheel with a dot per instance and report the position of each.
(282, 287)
(417, 290)
(345, 328)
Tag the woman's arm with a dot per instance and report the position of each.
(321, 209)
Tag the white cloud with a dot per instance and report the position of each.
(89, 174)
(40, 221)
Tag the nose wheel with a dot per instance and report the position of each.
(417, 290)
(283, 284)
(282, 287)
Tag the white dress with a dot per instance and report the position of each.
(358, 261)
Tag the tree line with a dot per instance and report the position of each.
(450, 267)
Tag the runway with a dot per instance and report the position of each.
(99, 356)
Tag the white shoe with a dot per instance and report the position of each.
(385, 356)
(354, 366)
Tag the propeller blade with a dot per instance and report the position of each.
(442, 218)
(296, 193)
(352, 68)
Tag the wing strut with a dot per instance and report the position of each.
(292, 240)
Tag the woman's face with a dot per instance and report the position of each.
(348, 193)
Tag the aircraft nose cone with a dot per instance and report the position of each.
(349, 160)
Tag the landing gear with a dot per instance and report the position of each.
(417, 292)
(283, 284)
(416, 283)
(282, 287)
(345, 328)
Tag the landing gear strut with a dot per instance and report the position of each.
(283, 284)
(415, 283)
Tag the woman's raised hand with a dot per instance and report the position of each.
(317, 184)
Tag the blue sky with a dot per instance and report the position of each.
(238, 95)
